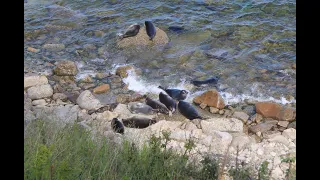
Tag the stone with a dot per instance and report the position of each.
(142, 39)
(53, 47)
(283, 123)
(257, 118)
(276, 111)
(277, 173)
(28, 117)
(214, 110)
(241, 141)
(60, 96)
(40, 102)
(34, 50)
(123, 71)
(87, 79)
(271, 121)
(241, 115)
(221, 112)
(30, 81)
(101, 89)
(220, 141)
(289, 133)
(293, 66)
(40, 91)
(203, 105)
(270, 134)
(212, 98)
(180, 135)
(27, 102)
(221, 124)
(263, 127)
(279, 139)
(292, 125)
(101, 75)
(66, 68)
(86, 100)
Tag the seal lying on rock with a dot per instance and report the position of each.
(176, 94)
(168, 102)
(137, 107)
(131, 31)
(188, 111)
(138, 122)
(156, 105)
(151, 29)
(117, 126)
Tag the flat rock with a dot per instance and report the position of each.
(279, 139)
(101, 89)
(289, 133)
(40, 102)
(263, 127)
(241, 115)
(40, 91)
(30, 81)
(283, 123)
(88, 101)
(221, 124)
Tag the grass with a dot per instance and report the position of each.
(70, 152)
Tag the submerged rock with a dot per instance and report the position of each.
(66, 68)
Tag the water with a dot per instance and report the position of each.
(250, 45)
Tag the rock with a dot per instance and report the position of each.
(164, 126)
(101, 89)
(40, 102)
(292, 125)
(101, 75)
(276, 111)
(30, 81)
(34, 50)
(124, 112)
(60, 96)
(221, 124)
(283, 123)
(137, 107)
(27, 103)
(53, 47)
(289, 133)
(86, 100)
(263, 127)
(212, 98)
(277, 173)
(270, 134)
(293, 66)
(87, 79)
(203, 105)
(279, 139)
(66, 68)
(221, 112)
(271, 121)
(123, 71)
(40, 91)
(142, 39)
(214, 110)
(28, 117)
(220, 142)
(242, 141)
(241, 115)
(257, 118)
(180, 135)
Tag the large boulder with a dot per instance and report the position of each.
(30, 81)
(88, 101)
(212, 98)
(40, 91)
(66, 68)
(276, 111)
(142, 39)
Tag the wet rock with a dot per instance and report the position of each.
(283, 123)
(101, 89)
(292, 125)
(88, 101)
(222, 124)
(66, 68)
(212, 98)
(214, 110)
(40, 102)
(60, 96)
(137, 107)
(289, 133)
(241, 115)
(34, 50)
(123, 71)
(87, 79)
(40, 91)
(86, 86)
(142, 39)
(30, 81)
(101, 75)
(276, 111)
(53, 47)
(52, 27)
(263, 127)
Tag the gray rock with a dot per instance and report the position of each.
(283, 123)
(279, 139)
(30, 81)
(83, 116)
(40, 102)
(87, 100)
(221, 124)
(241, 141)
(60, 96)
(241, 115)
(292, 125)
(28, 117)
(263, 127)
(289, 133)
(27, 103)
(40, 91)
(53, 47)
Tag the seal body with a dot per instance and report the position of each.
(131, 31)
(151, 29)
(157, 105)
(117, 126)
(137, 107)
(168, 102)
(176, 94)
(188, 111)
(213, 80)
(138, 122)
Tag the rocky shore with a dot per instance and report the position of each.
(252, 132)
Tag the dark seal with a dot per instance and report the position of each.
(117, 126)
(151, 29)
(131, 31)
(176, 94)
(157, 105)
(168, 102)
(188, 111)
(213, 80)
(138, 122)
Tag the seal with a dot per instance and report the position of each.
(151, 29)
(131, 31)
(137, 107)
(176, 94)
(157, 105)
(213, 80)
(168, 102)
(138, 122)
(188, 111)
(117, 126)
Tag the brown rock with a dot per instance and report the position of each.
(276, 111)
(214, 110)
(142, 39)
(31, 49)
(101, 89)
(66, 68)
(293, 66)
(263, 127)
(212, 98)
(122, 71)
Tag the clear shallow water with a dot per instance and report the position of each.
(235, 40)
